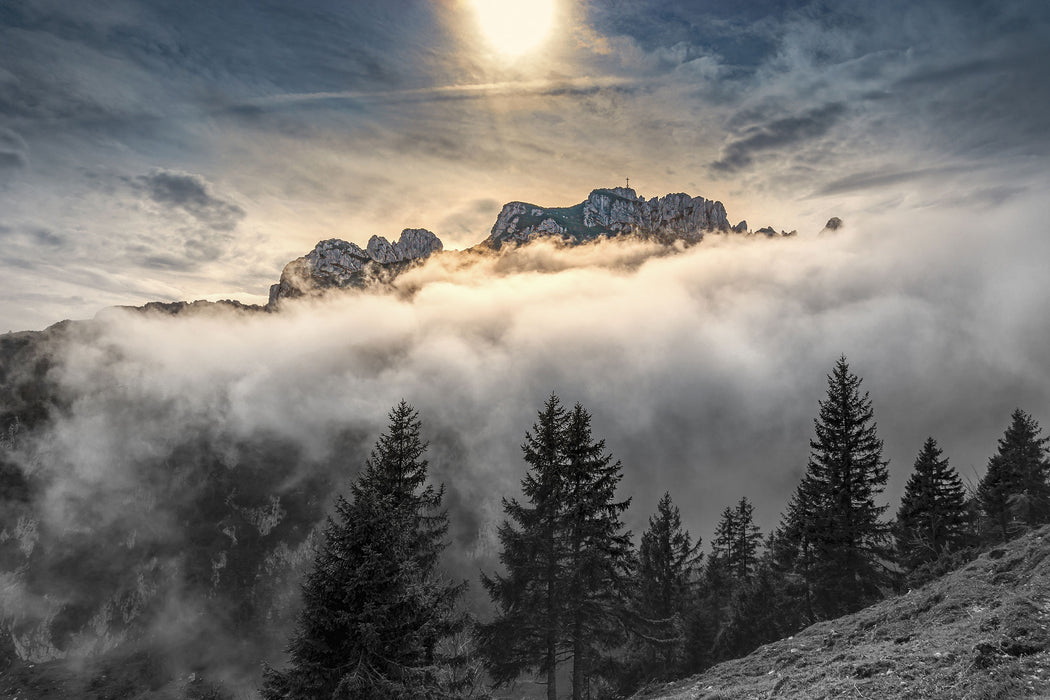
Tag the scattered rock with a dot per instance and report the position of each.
(985, 655)
(871, 669)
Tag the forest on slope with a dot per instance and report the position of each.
(573, 590)
(576, 599)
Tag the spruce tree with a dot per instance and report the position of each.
(375, 607)
(790, 553)
(599, 565)
(840, 544)
(734, 548)
(666, 580)
(566, 555)
(759, 612)
(932, 519)
(1014, 493)
(527, 631)
(730, 572)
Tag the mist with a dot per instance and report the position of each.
(702, 368)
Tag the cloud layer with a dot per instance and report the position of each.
(703, 368)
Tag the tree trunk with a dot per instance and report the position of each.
(579, 678)
(552, 675)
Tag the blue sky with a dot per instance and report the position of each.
(180, 150)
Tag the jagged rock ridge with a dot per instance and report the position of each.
(613, 212)
(616, 211)
(337, 263)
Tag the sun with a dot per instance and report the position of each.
(515, 27)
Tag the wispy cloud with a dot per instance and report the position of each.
(562, 86)
(190, 193)
(778, 134)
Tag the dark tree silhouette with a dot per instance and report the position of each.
(734, 548)
(667, 571)
(375, 607)
(567, 558)
(1014, 494)
(933, 519)
(599, 567)
(832, 536)
(527, 631)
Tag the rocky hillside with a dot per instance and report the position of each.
(980, 632)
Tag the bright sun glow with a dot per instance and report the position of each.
(514, 27)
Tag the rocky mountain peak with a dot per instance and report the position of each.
(612, 211)
(338, 263)
(834, 224)
(625, 192)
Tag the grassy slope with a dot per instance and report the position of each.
(979, 632)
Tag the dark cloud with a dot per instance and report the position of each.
(190, 193)
(13, 151)
(44, 237)
(733, 30)
(883, 178)
(778, 134)
(11, 160)
(24, 241)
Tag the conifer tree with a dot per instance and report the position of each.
(734, 548)
(932, 519)
(1014, 493)
(599, 566)
(790, 554)
(375, 607)
(730, 573)
(566, 555)
(667, 567)
(759, 612)
(527, 632)
(838, 543)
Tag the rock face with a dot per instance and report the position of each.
(337, 263)
(613, 212)
(834, 224)
(770, 232)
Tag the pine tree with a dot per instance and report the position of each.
(932, 519)
(840, 544)
(666, 573)
(567, 558)
(599, 567)
(375, 608)
(759, 612)
(734, 548)
(1014, 493)
(730, 572)
(526, 634)
(790, 553)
